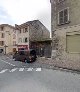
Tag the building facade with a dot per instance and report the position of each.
(21, 36)
(29, 32)
(65, 25)
(7, 38)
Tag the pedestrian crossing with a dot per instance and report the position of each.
(20, 70)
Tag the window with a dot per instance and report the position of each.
(2, 28)
(14, 31)
(25, 40)
(14, 43)
(63, 16)
(20, 40)
(2, 35)
(1, 43)
(25, 30)
(19, 31)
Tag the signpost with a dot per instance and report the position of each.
(5, 48)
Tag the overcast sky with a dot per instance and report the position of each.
(21, 11)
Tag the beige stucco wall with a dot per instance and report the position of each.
(22, 36)
(8, 38)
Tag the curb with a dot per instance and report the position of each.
(67, 69)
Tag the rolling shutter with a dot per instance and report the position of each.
(73, 43)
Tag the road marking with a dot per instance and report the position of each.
(8, 63)
(21, 69)
(38, 69)
(13, 70)
(3, 71)
(30, 69)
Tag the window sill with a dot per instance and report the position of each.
(61, 1)
(64, 23)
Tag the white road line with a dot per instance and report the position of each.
(38, 69)
(13, 70)
(8, 63)
(30, 69)
(3, 70)
(21, 69)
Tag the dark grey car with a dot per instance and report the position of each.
(25, 56)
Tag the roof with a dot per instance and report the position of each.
(25, 24)
(7, 25)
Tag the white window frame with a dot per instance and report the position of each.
(68, 16)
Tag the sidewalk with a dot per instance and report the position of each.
(49, 63)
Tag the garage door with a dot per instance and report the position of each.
(73, 43)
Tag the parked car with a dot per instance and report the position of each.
(25, 56)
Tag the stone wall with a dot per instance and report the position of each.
(59, 55)
(74, 14)
(63, 58)
(38, 31)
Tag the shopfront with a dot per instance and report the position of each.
(22, 47)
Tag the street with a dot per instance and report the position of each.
(16, 76)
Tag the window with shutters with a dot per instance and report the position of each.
(2, 35)
(63, 16)
(2, 28)
(1, 43)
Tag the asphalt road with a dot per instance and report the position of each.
(21, 77)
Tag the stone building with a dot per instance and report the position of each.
(7, 38)
(30, 32)
(65, 26)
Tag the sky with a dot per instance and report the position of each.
(20, 11)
